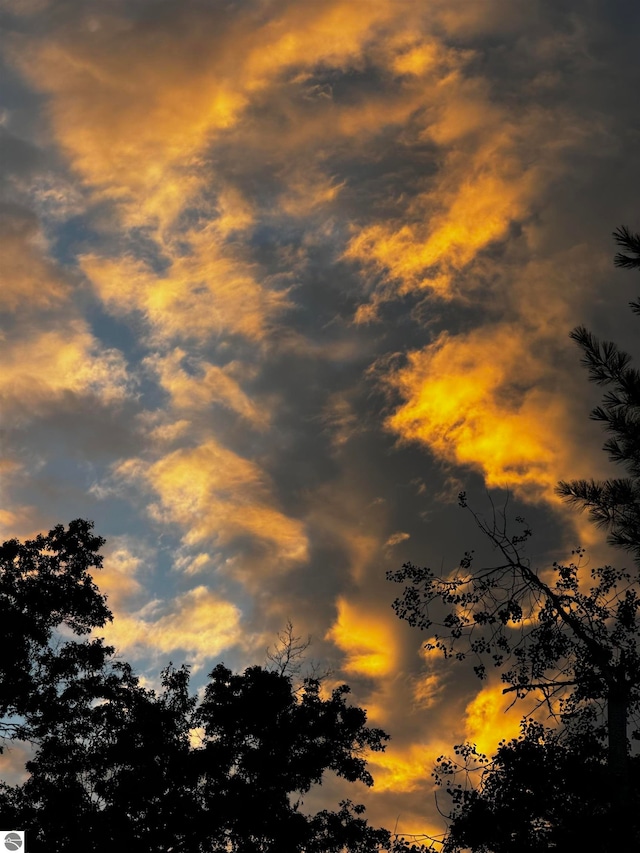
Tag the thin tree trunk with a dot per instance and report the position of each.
(618, 763)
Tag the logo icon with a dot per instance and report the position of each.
(14, 840)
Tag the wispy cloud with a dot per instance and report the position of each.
(276, 278)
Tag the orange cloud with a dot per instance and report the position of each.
(203, 293)
(426, 689)
(134, 107)
(471, 204)
(211, 384)
(53, 362)
(200, 623)
(397, 538)
(132, 119)
(480, 400)
(12, 761)
(214, 494)
(117, 579)
(17, 520)
(493, 169)
(367, 640)
(491, 717)
(405, 769)
(29, 279)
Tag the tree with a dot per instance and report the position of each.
(541, 628)
(545, 634)
(133, 777)
(46, 593)
(116, 764)
(541, 791)
(615, 503)
(116, 777)
(263, 749)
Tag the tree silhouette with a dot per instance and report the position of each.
(544, 790)
(133, 777)
(615, 503)
(46, 593)
(545, 632)
(264, 747)
(545, 635)
(117, 765)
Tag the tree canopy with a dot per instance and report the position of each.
(565, 633)
(118, 765)
(47, 593)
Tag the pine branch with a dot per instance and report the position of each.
(629, 241)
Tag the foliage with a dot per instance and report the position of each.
(117, 765)
(46, 594)
(263, 748)
(572, 641)
(546, 790)
(631, 242)
(614, 503)
(543, 631)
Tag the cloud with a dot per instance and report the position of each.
(39, 370)
(198, 622)
(206, 385)
(491, 717)
(218, 496)
(492, 176)
(482, 400)
(30, 280)
(134, 107)
(397, 538)
(118, 579)
(366, 639)
(405, 769)
(204, 293)
(15, 520)
(12, 763)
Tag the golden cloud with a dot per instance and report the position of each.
(201, 295)
(134, 107)
(210, 384)
(480, 400)
(29, 279)
(397, 538)
(12, 762)
(476, 197)
(367, 639)
(214, 494)
(53, 362)
(117, 579)
(133, 120)
(405, 769)
(491, 717)
(200, 623)
(426, 689)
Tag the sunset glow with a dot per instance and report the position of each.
(278, 280)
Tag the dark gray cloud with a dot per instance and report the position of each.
(280, 279)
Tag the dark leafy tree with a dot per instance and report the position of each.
(47, 595)
(264, 747)
(575, 647)
(135, 779)
(546, 790)
(118, 766)
(118, 776)
(542, 631)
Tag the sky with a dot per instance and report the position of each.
(279, 279)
